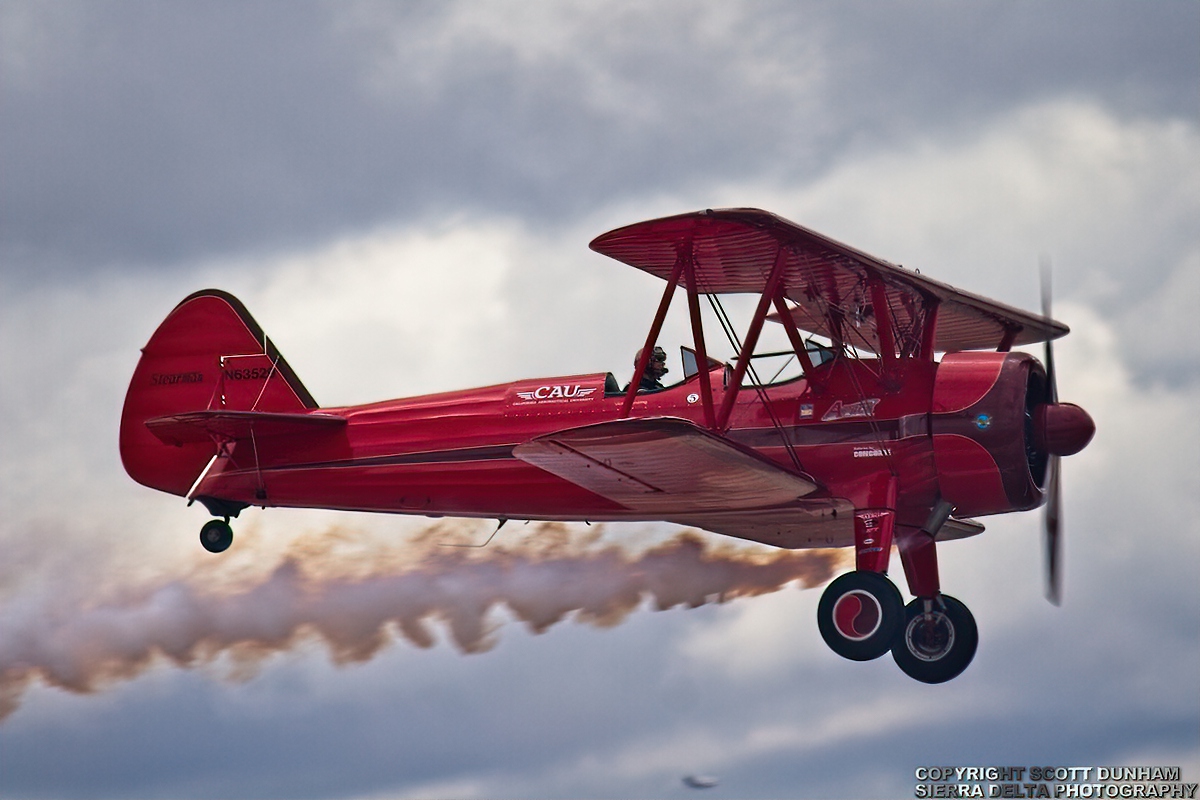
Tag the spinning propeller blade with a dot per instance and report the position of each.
(1053, 533)
(1051, 380)
(1052, 521)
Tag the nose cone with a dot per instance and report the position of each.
(1062, 429)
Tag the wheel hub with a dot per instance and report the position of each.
(929, 637)
(857, 615)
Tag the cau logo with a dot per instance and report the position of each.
(557, 392)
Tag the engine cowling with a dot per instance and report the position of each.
(994, 428)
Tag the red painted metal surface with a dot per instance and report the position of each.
(918, 554)
(453, 453)
(873, 534)
(1062, 429)
(964, 379)
(969, 476)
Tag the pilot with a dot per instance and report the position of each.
(655, 369)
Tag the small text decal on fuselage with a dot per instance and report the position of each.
(872, 452)
(840, 410)
(164, 379)
(248, 374)
(557, 392)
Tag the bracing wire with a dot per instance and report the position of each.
(759, 389)
(862, 396)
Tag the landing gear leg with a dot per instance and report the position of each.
(939, 637)
(216, 535)
(860, 613)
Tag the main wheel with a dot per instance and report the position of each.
(216, 536)
(936, 647)
(860, 614)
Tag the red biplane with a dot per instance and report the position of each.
(875, 443)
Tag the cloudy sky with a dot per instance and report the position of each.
(402, 194)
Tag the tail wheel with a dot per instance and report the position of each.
(216, 536)
(936, 645)
(860, 615)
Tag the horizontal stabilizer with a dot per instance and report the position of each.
(663, 465)
(205, 426)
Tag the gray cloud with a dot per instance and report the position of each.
(953, 63)
(140, 134)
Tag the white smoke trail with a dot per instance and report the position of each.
(358, 605)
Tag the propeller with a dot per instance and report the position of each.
(1060, 429)
(1053, 533)
(1052, 521)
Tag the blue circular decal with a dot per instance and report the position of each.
(983, 421)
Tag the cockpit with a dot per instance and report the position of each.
(767, 369)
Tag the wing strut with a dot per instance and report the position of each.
(706, 395)
(883, 324)
(796, 340)
(759, 386)
(756, 323)
(1010, 336)
(684, 255)
(929, 327)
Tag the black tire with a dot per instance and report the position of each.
(860, 615)
(939, 649)
(216, 536)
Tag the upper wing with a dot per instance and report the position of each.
(734, 250)
(203, 426)
(663, 465)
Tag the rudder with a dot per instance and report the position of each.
(207, 355)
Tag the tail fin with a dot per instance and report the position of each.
(207, 355)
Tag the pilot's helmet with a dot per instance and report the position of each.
(657, 363)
